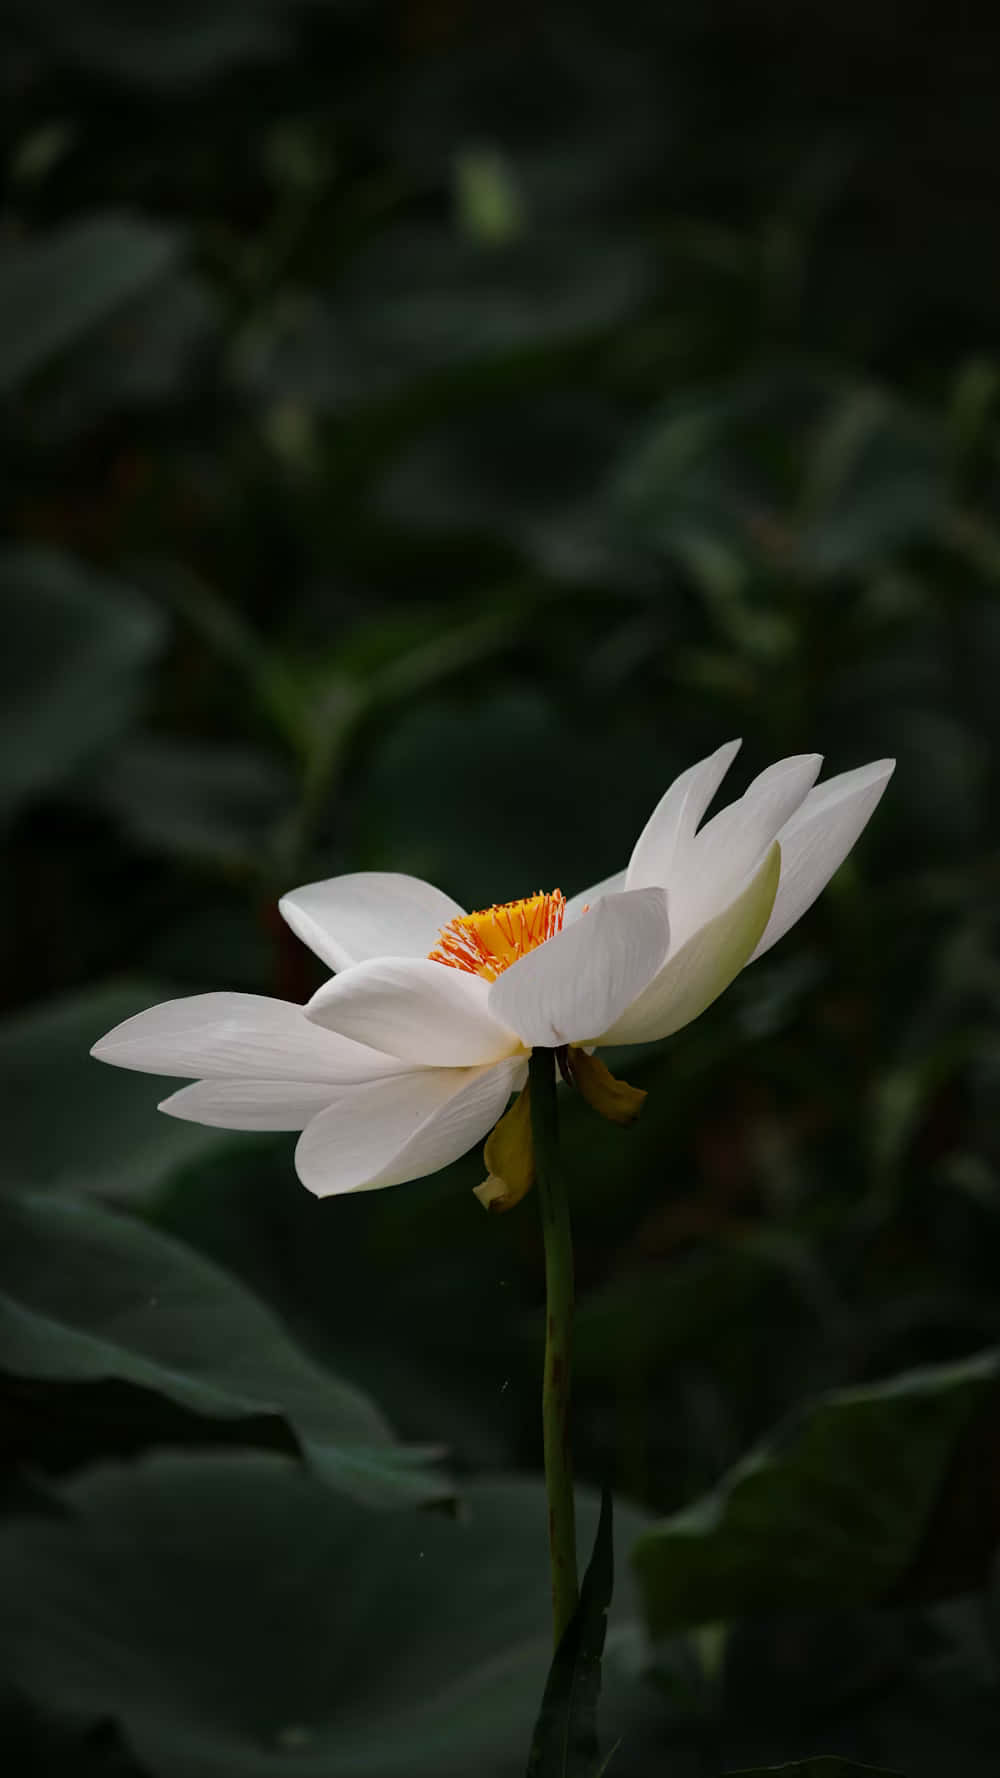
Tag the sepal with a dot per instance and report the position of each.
(614, 1099)
(510, 1158)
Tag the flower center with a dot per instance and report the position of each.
(488, 942)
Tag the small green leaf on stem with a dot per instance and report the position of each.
(565, 1740)
(822, 1767)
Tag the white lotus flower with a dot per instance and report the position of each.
(409, 1054)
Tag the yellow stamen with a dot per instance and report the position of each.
(488, 942)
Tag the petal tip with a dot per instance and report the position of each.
(313, 1007)
(727, 752)
(803, 763)
(302, 1168)
(879, 773)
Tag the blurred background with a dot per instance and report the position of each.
(425, 432)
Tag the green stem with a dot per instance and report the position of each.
(558, 1338)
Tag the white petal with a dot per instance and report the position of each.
(587, 897)
(695, 975)
(371, 913)
(671, 826)
(425, 1013)
(817, 839)
(394, 1130)
(713, 867)
(234, 1036)
(579, 982)
(252, 1104)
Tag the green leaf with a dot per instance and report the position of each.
(823, 1767)
(151, 352)
(875, 483)
(420, 303)
(77, 647)
(829, 1513)
(89, 1295)
(520, 842)
(68, 1120)
(171, 49)
(237, 1620)
(36, 1746)
(531, 473)
(819, 1768)
(632, 1322)
(218, 803)
(565, 1743)
(56, 287)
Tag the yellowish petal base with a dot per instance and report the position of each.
(510, 1156)
(614, 1099)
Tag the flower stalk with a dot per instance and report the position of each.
(556, 1385)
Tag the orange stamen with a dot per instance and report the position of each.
(488, 942)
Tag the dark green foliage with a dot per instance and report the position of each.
(424, 431)
(77, 650)
(270, 1626)
(58, 289)
(831, 1514)
(90, 1297)
(68, 1122)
